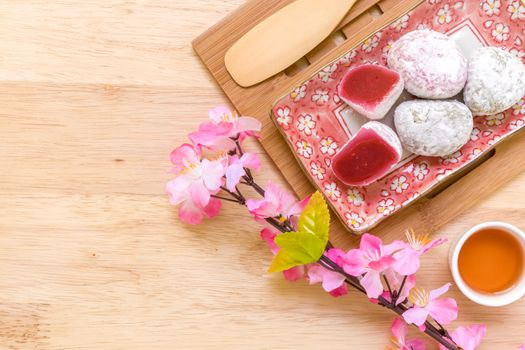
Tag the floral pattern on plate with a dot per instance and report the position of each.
(312, 118)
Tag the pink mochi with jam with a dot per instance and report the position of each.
(371, 90)
(371, 154)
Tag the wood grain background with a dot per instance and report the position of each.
(93, 96)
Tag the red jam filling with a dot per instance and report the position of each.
(365, 159)
(368, 85)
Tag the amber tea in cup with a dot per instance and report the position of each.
(488, 263)
(491, 261)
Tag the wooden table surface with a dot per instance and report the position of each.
(94, 94)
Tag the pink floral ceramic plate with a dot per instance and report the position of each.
(315, 122)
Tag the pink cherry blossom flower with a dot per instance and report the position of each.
(317, 170)
(355, 197)
(333, 282)
(517, 10)
(268, 235)
(521, 347)
(295, 273)
(468, 338)
(242, 126)
(371, 43)
(237, 168)
(306, 124)
(401, 23)
(408, 258)
(474, 136)
(224, 125)
(427, 304)
(452, 158)
(399, 184)
(400, 342)
(330, 280)
(491, 7)
(283, 117)
(386, 206)
(276, 203)
(196, 180)
(369, 261)
(444, 15)
(501, 32)
(396, 282)
(298, 93)
(190, 212)
(321, 96)
(326, 74)
(353, 219)
(332, 191)
(421, 170)
(339, 292)
(304, 149)
(495, 119)
(328, 146)
(348, 58)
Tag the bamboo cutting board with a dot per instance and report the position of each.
(428, 214)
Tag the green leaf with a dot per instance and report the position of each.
(297, 248)
(307, 245)
(315, 218)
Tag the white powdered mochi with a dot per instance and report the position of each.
(430, 63)
(496, 81)
(433, 128)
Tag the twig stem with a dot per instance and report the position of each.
(440, 335)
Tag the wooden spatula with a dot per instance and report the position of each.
(283, 38)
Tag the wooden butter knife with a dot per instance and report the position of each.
(283, 38)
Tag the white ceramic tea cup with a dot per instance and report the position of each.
(487, 299)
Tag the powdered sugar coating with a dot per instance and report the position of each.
(433, 128)
(430, 63)
(496, 81)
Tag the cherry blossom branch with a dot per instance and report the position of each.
(212, 169)
(398, 293)
(225, 199)
(442, 330)
(430, 329)
(248, 178)
(440, 335)
(239, 198)
(238, 144)
(332, 266)
(250, 182)
(390, 289)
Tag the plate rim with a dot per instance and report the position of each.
(435, 182)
